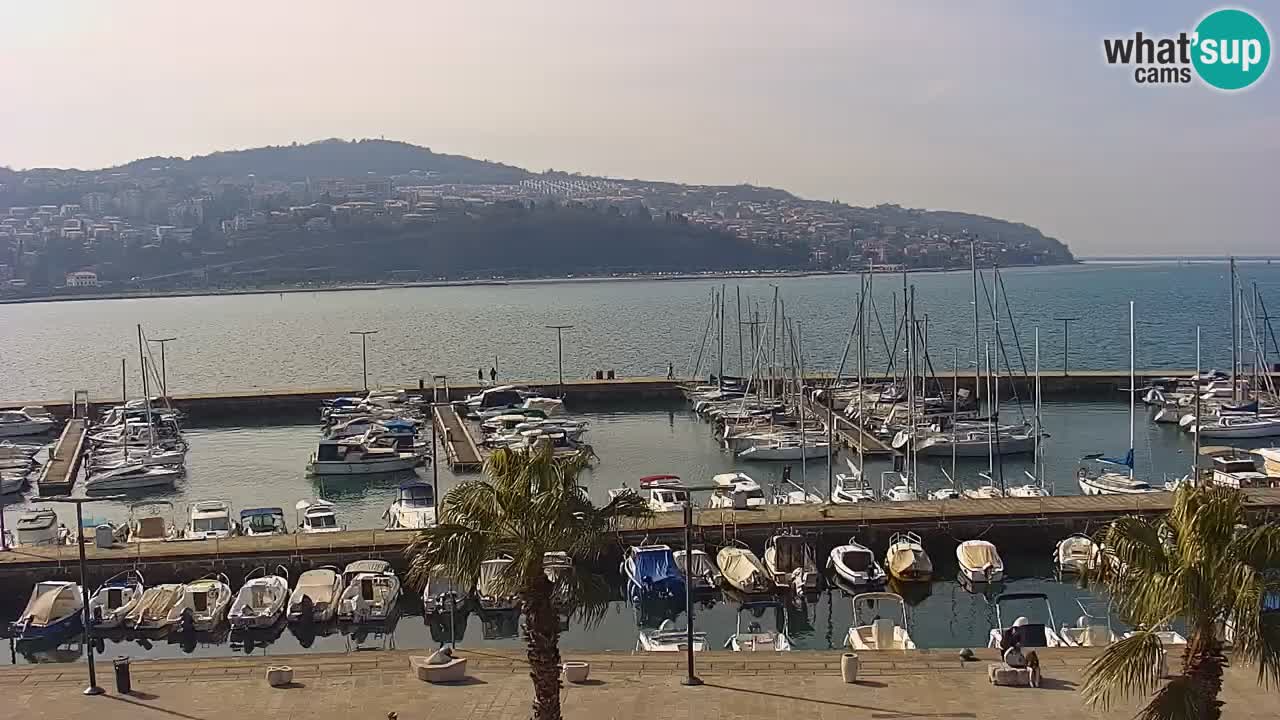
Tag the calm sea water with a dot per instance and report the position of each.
(636, 328)
(257, 466)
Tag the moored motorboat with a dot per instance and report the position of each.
(317, 516)
(735, 490)
(53, 611)
(855, 565)
(882, 632)
(979, 562)
(209, 520)
(315, 598)
(490, 591)
(26, 421)
(371, 592)
(260, 601)
(906, 558)
(414, 508)
(1075, 554)
(358, 456)
(851, 487)
(263, 521)
(698, 570)
(133, 475)
(790, 560)
(202, 605)
(754, 638)
(39, 526)
(743, 571)
(669, 638)
(651, 573)
(152, 610)
(115, 598)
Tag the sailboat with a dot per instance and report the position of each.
(1109, 482)
(853, 487)
(1036, 487)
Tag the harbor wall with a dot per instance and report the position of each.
(305, 402)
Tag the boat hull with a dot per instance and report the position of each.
(62, 627)
(321, 467)
(1006, 446)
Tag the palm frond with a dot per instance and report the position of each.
(448, 549)
(1268, 655)
(1259, 546)
(1180, 699)
(1130, 666)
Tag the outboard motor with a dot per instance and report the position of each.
(187, 622)
(307, 610)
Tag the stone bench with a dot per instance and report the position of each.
(1006, 676)
(454, 670)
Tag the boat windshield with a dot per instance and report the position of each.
(755, 493)
(214, 524)
(264, 523)
(417, 496)
(324, 521)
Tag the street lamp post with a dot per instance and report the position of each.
(164, 375)
(364, 353)
(93, 688)
(560, 351)
(690, 678)
(1066, 336)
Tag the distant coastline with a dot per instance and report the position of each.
(353, 287)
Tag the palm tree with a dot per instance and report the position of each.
(530, 504)
(1200, 565)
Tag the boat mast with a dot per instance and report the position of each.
(799, 367)
(862, 372)
(977, 373)
(955, 410)
(1195, 455)
(1235, 337)
(124, 404)
(908, 320)
(742, 363)
(1132, 392)
(773, 346)
(720, 308)
(1036, 460)
(146, 399)
(991, 455)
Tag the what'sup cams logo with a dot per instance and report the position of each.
(1228, 50)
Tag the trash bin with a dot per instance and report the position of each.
(121, 667)
(104, 536)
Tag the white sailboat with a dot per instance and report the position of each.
(1109, 482)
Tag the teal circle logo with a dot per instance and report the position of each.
(1232, 49)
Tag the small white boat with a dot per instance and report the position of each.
(1167, 635)
(906, 558)
(550, 406)
(414, 508)
(1032, 634)
(669, 638)
(897, 487)
(114, 599)
(850, 487)
(791, 562)
(209, 520)
(39, 526)
(353, 456)
(700, 572)
(53, 610)
(317, 516)
(855, 565)
(735, 490)
(1239, 426)
(27, 421)
(315, 599)
(151, 522)
(1075, 554)
(488, 586)
(115, 459)
(202, 605)
(1111, 483)
(371, 592)
(881, 632)
(755, 638)
(743, 571)
(261, 600)
(263, 521)
(782, 450)
(666, 492)
(984, 492)
(152, 610)
(133, 475)
(979, 562)
(1092, 628)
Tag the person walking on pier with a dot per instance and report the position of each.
(493, 376)
(671, 370)
(480, 375)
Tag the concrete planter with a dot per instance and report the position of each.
(576, 672)
(849, 667)
(279, 675)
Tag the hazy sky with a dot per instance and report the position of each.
(1000, 108)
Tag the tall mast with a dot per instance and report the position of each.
(1036, 459)
(799, 360)
(1132, 392)
(977, 372)
(146, 398)
(991, 454)
(720, 310)
(742, 363)
(862, 370)
(955, 410)
(1235, 336)
(908, 315)
(1195, 455)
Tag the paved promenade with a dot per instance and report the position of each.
(625, 686)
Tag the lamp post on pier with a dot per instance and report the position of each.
(93, 688)
(560, 351)
(364, 353)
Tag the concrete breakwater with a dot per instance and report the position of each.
(304, 402)
(1031, 525)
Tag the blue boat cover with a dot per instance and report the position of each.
(1127, 461)
(397, 424)
(656, 572)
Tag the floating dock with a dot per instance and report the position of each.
(461, 449)
(856, 438)
(1030, 524)
(59, 474)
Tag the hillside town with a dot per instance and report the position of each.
(96, 230)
